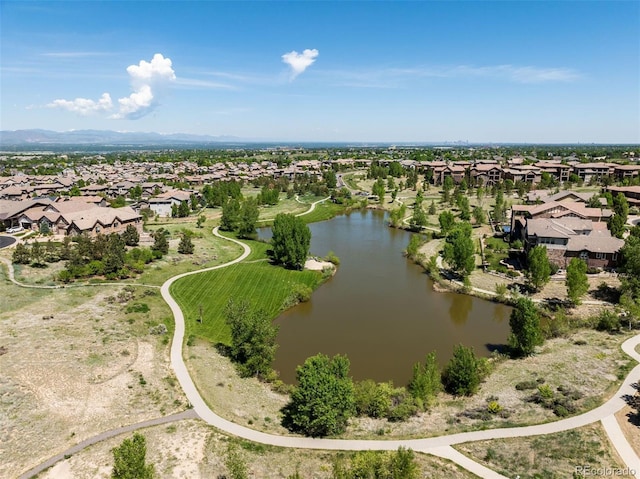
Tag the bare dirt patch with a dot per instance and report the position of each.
(75, 365)
(191, 449)
(630, 425)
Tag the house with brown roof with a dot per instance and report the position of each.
(487, 174)
(592, 171)
(623, 172)
(524, 173)
(70, 217)
(567, 238)
(520, 214)
(560, 171)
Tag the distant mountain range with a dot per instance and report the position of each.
(104, 137)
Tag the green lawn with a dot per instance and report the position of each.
(496, 249)
(323, 211)
(258, 282)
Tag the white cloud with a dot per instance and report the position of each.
(84, 106)
(299, 62)
(148, 81)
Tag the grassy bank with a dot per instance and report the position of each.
(264, 285)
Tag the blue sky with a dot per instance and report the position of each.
(404, 72)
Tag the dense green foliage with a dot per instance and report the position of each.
(131, 236)
(459, 250)
(400, 464)
(426, 380)
(577, 282)
(248, 218)
(186, 245)
(160, 242)
(463, 373)
(526, 332)
(539, 269)
(130, 459)
(323, 401)
(291, 240)
(230, 215)
(447, 221)
(253, 338)
(217, 193)
(379, 190)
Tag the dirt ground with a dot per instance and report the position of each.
(254, 404)
(192, 450)
(630, 425)
(75, 365)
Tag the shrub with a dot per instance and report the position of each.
(524, 385)
(545, 391)
(332, 258)
(608, 321)
(137, 308)
(494, 407)
(372, 399)
(65, 276)
(403, 406)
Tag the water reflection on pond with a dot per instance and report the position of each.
(380, 309)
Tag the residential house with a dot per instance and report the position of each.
(487, 174)
(567, 238)
(524, 173)
(560, 171)
(553, 210)
(588, 172)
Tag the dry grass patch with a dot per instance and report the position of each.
(75, 365)
(245, 401)
(601, 362)
(550, 456)
(191, 449)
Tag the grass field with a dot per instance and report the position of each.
(257, 281)
(550, 456)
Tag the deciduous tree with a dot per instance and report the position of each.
(577, 282)
(291, 240)
(249, 214)
(526, 333)
(130, 459)
(253, 338)
(539, 269)
(459, 249)
(230, 215)
(323, 401)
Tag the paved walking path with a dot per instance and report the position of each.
(188, 414)
(439, 446)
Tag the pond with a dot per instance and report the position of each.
(380, 309)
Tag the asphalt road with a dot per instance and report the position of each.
(6, 241)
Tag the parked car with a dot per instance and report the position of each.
(15, 229)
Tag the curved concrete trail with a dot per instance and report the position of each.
(439, 446)
(188, 414)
